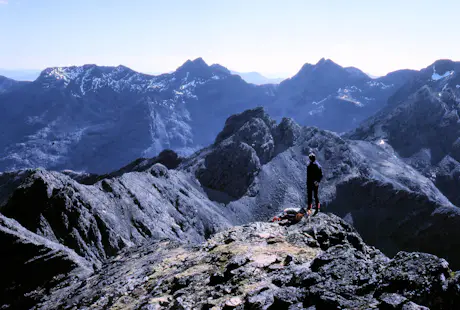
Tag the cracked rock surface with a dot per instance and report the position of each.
(321, 263)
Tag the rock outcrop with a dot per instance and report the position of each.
(248, 141)
(97, 221)
(32, 266)
(318, 264)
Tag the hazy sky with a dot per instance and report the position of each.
(271, 37)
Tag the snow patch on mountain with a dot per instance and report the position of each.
(189, 88)
(346, 94)
(437, 77)
(91, 78)
(379, 84)
(36, 119)
(321, 101)
(318, 110)
(157, 85)
(66, 74)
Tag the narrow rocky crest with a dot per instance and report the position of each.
(317, 264)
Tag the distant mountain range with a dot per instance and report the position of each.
(20, 75)
(32, 75)
(97, 119)
(257, 78)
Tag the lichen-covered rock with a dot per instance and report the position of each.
(262, 266)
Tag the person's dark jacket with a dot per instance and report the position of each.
(314, 173)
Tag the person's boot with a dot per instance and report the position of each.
(318, 206)
(309, 209)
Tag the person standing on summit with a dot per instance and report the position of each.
(314, 177)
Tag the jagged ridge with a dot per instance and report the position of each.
(322, 264)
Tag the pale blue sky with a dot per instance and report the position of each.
(271, 37)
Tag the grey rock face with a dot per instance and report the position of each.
(424, 276)
(246, 142)
(258, 135)
(97, 221)
(235, 122)
(422, 125)
(264, 266)
(286, 134)
(447, 178)
(32, 265)
(230, 169)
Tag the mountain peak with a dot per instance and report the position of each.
(324, 61)
(199, 61)
(355, 72)
(65, 74)
(71, 73)
(323, 66)
(220, 69)
(443, 62)
(123, 68)
(191, 65)
(443, 68)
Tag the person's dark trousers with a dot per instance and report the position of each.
(312, 190)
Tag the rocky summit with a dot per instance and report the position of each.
(319, 263)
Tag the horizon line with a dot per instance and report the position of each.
(270, 75)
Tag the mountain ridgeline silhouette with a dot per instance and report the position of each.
(97, 119)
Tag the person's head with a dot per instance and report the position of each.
(312, 157)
